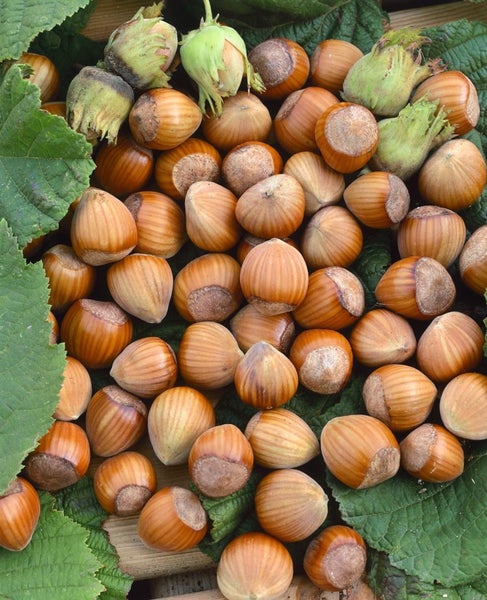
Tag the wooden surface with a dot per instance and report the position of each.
(192, 566)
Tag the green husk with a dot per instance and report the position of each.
(215, 57)
(406, 140)
(142, 49)
(383, 79)
(97, 103)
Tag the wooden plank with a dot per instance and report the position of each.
(438, 14)
(141, 562)
(300, 589)
(137, 560)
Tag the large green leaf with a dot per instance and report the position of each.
(360, 22)
(80, 504)
(31, 369)
(56, 564)
(22, 20)
(44, 165)
(393, 584)
(435, 532)
(66, 47)
(461, 45)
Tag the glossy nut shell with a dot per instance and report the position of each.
(123, 483)
(249, 326)
(331, 238)
(272, 208)
(335, 299)
(281, 439)
(454, 176)
(208, 288)
(208, 355)
(244, 118)
(75, 392)
(115, 420)
(434, 231)
(416, 287)
(265, 377)
(347, 136)
(431, 453)
(172, 520)
(124, 167)
(248, 163)
(146, 367)
(160, 223)
(211, 223)
(323, 359)
(473, 261)
(70, 278)
(336, 558)
(463, 406)
(20, 509)
(220, 460)
(359, 450)
(102, 228)
(295, 121)
(61, 457)
(255, 565)
(283, 65)
(163, 118)
(95, 331)
(176, 418)
(381, 336)
(141, 284)
(451, 344)
(290, 505)
(457, 94)
(400, 395)
(274, 277)
(193, 160)
(322, 185)
(330, 62)
(378, 199)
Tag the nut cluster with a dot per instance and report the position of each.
(246, 228)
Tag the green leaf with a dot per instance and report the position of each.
(435, 532)
(31, 369)
(317, 409)
(394, 584)
(44, 165)
(80, 504)
(461, 44)
(360, 22)
(225, 514)
(373, 261)
(67, 47)
(22, 20)
(56, 564)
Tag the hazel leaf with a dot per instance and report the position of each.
(80, 504)
(461, 45)
(31, 369)
(44, 164)
(22, 20)
(393, 584)
(56, 564)
(359, 22)
(435, 532)
(308, 23)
